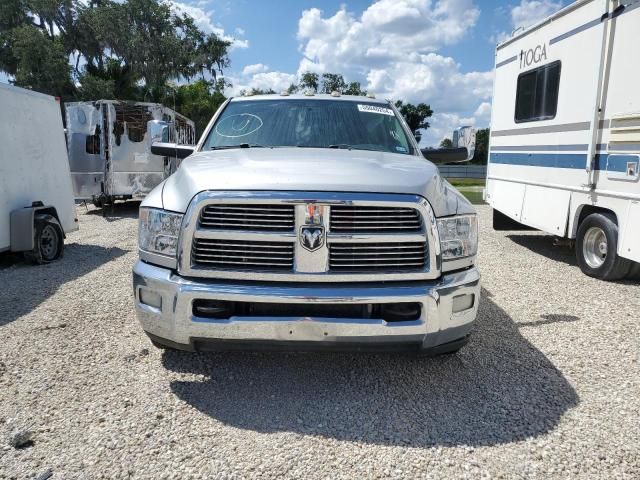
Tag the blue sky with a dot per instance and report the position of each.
(437, 52)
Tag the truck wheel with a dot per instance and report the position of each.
(596, 247)
(48, 240)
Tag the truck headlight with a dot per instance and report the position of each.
(458, 236)
(158, 231)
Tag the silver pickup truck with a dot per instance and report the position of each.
(306, 222)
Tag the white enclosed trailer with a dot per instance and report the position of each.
(110, 147)
(36, 198)
(565, 133)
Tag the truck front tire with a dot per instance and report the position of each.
(597, 246)
(48, 240)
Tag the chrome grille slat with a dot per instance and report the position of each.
(248, 217)
(363, 219)
(247, 256)
(338, 246)
(235, 254)
(244, 223)
(232, 262)
(358, 266)
(231, 249)
(276, 216)
(273, 208)
(345, 218)
(363, 257)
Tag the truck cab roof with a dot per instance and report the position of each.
(315, 96)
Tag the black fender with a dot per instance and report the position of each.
(22, 225)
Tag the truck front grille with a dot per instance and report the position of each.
(366, 257)
(308, 237)
(239, 255)
(365, 219)
(252, 217)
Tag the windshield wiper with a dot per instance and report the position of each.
(240, 145)
(341, 145)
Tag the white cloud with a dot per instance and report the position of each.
(530, 12)
(387, 30)
(257, 76)
(526, 14)
(254, 68)
(483, 111)
(204, 21)
(392, 49)
(442, 126)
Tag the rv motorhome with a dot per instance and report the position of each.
(36, 198)
(110, 147)
(565, 133)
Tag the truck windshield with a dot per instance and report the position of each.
(309, 123)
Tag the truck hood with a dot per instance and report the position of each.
(308, 169)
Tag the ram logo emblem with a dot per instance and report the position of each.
(312, 237)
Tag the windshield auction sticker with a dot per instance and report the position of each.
(375, 109)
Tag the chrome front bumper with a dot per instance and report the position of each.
(168, 314)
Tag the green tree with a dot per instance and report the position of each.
(333, 82)
(154, 44)
(40, 62)
(415, 115)
(198, 100)
(354, 88)
(480, 156)
(309, 81)
(258, 91)
(446, 143)
(293, 88)
(130, 49)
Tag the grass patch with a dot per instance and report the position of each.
(474, 196)
(466, 182)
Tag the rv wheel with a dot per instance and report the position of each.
(596, 247)
(48, 240)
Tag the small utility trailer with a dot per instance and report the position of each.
(109, 145)
(565, 133)
(36, 198)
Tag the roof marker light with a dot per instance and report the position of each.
(370, 95)
(284, 93)
(335, 93)
(309, 93)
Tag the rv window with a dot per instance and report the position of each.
(537, 93)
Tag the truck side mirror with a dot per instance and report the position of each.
(174, 150)
(462, 150)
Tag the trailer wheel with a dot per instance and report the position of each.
(596, 247)
(48, 240)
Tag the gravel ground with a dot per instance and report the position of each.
(548, 386)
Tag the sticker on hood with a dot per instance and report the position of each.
(375, 109)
